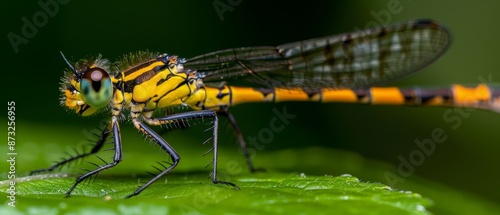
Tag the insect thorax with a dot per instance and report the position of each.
(158, 83)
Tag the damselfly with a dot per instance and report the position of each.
(339, 68)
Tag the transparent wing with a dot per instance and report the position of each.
(353, 60)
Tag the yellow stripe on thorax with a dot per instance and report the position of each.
(133, 75)
(147, 89)
(166, 94)
(157, 89)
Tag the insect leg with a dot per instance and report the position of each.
(98, 145)
(164, 145)
(116, 159)
(170, 150)
(239, 136)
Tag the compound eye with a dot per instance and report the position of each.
(96, 87)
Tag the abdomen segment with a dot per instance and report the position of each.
(482, 96)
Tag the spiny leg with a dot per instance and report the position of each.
(198, 115)
(164, 145)
(116, 159)
(170, 150)
(98, 145)
(239, 136)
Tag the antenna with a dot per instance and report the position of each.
(67, 62)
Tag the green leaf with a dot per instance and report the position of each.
(187, 190)
(191, 193)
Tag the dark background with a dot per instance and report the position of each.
(468, 160)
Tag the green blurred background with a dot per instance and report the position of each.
(467, 161)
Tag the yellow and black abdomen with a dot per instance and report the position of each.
(481, 96)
